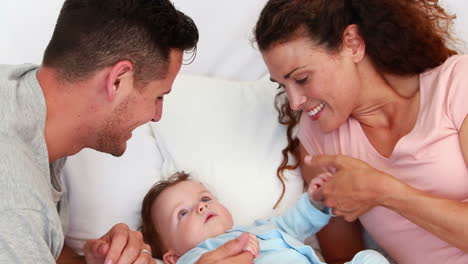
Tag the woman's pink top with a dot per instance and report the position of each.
(429, 158)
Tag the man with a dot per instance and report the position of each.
(104, 73)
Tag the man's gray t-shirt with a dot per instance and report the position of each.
(30, 226)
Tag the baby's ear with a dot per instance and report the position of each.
(170, 257)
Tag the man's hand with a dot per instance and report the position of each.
(118, 246)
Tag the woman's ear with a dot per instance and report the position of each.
(120, 71)
(353, 41)
(170, 257)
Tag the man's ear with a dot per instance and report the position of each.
(120, 71)
(170, 257)
(353, 41)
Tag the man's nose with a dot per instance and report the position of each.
(157, 112)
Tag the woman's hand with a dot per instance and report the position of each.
(353, 189)
(119, 245)
(230, 253)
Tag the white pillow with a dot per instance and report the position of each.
(226, 133)
(103, 190)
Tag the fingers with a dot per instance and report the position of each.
(230, 249)
(245, 258)
(95, 249)
(119, 245)
(317, 194)
(318, 181)
(329, 163)
(233, 247)
(132, 249)
(145, 256)
(118, 236)
(253, 246)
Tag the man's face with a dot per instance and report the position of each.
(186, 214)
(141, 105)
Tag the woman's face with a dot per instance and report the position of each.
(324, 85)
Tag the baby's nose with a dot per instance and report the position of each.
(202, 207)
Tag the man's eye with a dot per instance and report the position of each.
(182, 214)
(302, 81)
(205, 199)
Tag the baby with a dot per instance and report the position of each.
(182, 220)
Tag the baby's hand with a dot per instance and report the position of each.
(253, 245)
(317, 182)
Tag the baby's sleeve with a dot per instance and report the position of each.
(192, 256)
(300, 221)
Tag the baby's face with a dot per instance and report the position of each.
(186, 214)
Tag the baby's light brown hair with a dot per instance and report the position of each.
(150, 234)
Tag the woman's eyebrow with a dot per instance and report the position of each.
(288, 74)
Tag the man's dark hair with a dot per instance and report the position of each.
(93, 34)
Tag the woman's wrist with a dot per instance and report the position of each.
(392, 193)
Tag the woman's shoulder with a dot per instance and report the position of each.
(445, 77)
(454, 66)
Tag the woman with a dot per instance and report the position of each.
(380, 102)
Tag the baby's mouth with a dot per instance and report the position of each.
(209, 217)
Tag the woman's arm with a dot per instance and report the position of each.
(356, 187)
(446, 219)
(464, 140)
(441, 217)
(339, 240)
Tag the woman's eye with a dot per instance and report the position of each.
(302, 81)
(182, 214)
(280, 86)
(205, 199)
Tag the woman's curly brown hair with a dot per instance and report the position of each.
(403, 37)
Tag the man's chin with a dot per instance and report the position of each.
(115, 150)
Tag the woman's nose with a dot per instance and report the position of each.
(296, 100)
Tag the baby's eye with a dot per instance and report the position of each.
(205, 199)
(182, 213)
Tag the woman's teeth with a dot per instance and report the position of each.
(316, 109)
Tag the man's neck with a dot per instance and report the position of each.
(64, 123)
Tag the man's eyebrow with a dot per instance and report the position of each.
(288, 74)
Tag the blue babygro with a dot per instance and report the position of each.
(281, 238)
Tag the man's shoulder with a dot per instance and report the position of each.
(15, 72)
(23, 179)
(14, 77)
